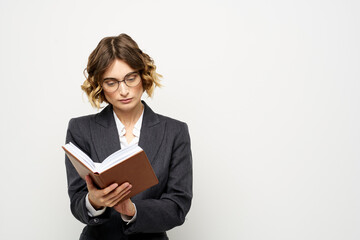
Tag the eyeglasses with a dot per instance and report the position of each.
(131, 79)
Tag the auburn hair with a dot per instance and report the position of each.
(124, 48)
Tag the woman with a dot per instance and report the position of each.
(118, 72)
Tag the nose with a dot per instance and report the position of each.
(123, 89)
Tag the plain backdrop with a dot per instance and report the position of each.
(269, 89)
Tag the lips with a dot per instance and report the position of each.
(127, 100)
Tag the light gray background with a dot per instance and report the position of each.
(269, 89)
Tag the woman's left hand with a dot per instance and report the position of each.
(125, 207)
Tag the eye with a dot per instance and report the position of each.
(131, 78)
(110, 83)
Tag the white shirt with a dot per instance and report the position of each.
(92, 212)
(122, 131)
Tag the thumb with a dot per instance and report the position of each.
(89, 182)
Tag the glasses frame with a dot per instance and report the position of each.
(118, 82)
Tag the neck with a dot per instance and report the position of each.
(129, 118)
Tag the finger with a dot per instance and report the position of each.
(89, 183)
(117, 195)
(109, 189)
(124, 186)
(119, 198)
(119, 192)
(104, 200)
(123, 195)
(120, 195)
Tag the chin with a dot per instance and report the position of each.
(126, 107)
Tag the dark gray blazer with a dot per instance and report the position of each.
(167, 144)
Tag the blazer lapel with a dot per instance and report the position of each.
(152, 133)
(106, 137)
(104, 133)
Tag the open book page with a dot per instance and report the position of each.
(110, 161)
(118, 157)
(80, 155)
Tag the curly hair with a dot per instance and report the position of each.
(121, 47)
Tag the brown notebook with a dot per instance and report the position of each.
(126, 165)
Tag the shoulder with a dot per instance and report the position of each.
(175, 129)
(171, 123)
(81, 122)
(80, 131)
(152, 118)
(84, 122)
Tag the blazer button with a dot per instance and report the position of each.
(96, 220)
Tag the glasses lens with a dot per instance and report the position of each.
(110, 85)
(132, 80)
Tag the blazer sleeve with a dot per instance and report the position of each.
(77, 189)
(159, 215)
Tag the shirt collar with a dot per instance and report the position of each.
(121, 128)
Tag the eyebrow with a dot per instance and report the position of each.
(112, 78)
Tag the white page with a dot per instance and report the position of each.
(119, 156)
(85, 159)
(110, 161)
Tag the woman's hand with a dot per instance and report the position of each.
(126, 207)
(107, 197)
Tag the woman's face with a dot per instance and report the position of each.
(124, 99)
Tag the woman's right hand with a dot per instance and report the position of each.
(107, 197)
